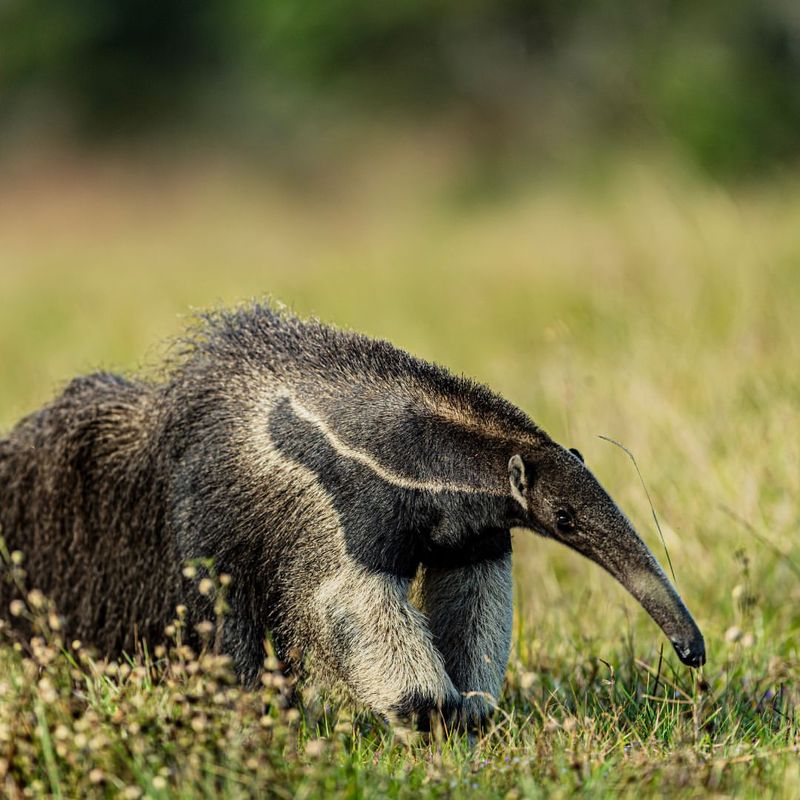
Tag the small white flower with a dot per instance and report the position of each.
(733, 634)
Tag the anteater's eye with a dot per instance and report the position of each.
(565, 522)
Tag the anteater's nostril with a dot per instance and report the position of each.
(693, 654)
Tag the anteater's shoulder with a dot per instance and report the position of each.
(264, 338)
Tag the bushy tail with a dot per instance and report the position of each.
(82, 495)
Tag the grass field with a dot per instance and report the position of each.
(639, 305)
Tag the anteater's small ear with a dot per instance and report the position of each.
(518, 478)
(577, 454)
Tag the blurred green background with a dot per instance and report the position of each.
(593, 207)
(718, 81)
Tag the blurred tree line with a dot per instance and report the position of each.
(720, 79)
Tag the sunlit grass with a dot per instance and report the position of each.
(645, 307)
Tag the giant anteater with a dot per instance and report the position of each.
(361, 500)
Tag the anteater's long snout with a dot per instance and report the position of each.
(659, 598)
(629, 560)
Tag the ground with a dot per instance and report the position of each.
(637, 304)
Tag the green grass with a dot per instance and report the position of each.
(642, 306)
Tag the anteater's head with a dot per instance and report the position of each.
(560, 498)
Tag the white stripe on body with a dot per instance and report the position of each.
(382, 471)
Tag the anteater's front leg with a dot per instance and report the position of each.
(382, 647)
(470, 612)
